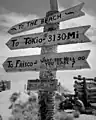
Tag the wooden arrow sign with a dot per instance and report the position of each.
(91, 100)
(33, 84)
(81, 83)
(91, 84)
(78, 86)
(93, 89)
(42, 84)
(91, 94)
(67, 14)
(57, 61)
(59, 37)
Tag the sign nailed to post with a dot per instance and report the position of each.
(58, 17)
(59, 37)
(42, 84)
(57, 61)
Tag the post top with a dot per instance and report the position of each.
(53, 5)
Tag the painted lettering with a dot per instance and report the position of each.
(73, 35)
(54, 17)
(29, 40)
(40, 40)
(64, 36)
(58, 36)
(42, 21)
(49, 38)
(17, 62)
(46, 20)
(32, 23)
(55, 62)
(59, 16)
(50, 18)
(13, 29)
(66, 60)
(10, 65)
(69, 13)
(81, 58)
(20, 63)
(77, 34)
(73, 61)
(21, 26)
(13, 42)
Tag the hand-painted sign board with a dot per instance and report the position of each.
(59, 37)
(42, 84)
(57, 61)
(67, 14)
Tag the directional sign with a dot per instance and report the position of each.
(91, 84)
(91, 94)
(59, 37)
(42, 84)
(91, 100)
(93, 97)
(33, 84)
(57, 61)
(79, 83)
(67, 14)
(48, 85)
(78, 86)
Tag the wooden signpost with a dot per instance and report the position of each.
(70, 13)
(59, 37)
(49, 61)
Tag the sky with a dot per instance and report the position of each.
(13, 12)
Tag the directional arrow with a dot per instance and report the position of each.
(78, 86)
(57, 61)
(93, 89)
(91, 84)
(59, 37)
(67, 14)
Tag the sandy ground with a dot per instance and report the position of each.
(86, 117)
(82, 116)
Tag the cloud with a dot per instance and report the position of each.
(8, 18)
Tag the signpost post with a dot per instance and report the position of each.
(46, 112)
(49, 61)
